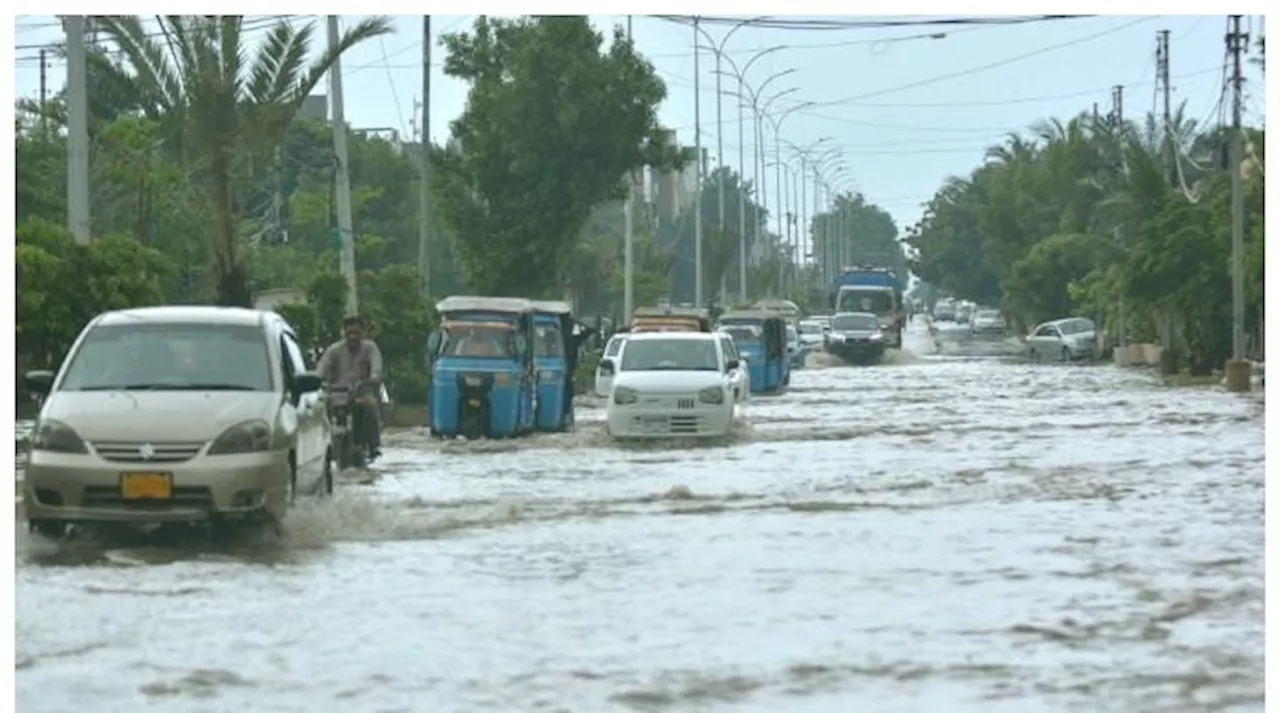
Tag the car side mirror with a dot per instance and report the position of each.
(433, 343)
(606, 366)
(307, 382)
(732, 364)
(39, 381)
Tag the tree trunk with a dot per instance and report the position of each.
(232, 278)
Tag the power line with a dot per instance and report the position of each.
(777, 24)
(248, 25)
(983, 68)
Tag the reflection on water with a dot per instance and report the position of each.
(944, 533)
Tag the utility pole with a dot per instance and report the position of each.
(697, 189)
(806, 240)
(724, 282)
(1117, 121)
(628, 237)
(1171, 169)
(1237, 370)
(424, 187)
(342, 191)
(77, 130)
(44, 94)
(742, 198)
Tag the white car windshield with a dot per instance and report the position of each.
(855, 323)
(988, 314)
(670, 355)
(171, 357)
(810, 328)
(1075, 326)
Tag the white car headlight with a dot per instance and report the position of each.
(877, 336)
(711, 395)
(56, 437)
(623, 395)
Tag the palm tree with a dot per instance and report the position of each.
(222, 111)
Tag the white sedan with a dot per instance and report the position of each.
(672, 385)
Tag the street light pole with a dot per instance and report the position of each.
(697, 191)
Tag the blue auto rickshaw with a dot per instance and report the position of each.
(555, 354)
(761, 337)
(483, 378)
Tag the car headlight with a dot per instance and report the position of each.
(56, 437)
(875, 337)
(623, 396)
(711, 395)
(247, 437)
(836, 337)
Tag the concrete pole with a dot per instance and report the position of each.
(742, 200)
(347, 257)
(1238, 370)
(724, 280)
(697, 190)
(424, 190)
(77, 131)
(628, 238)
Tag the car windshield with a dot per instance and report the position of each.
(876, 301)
(479, 339)
(989, 314)
(1075, 326)
(547, 341)
(171, 357)
(743, 333)
(792, 334)
(670, 355)
(855, 323)
(615, 344)
(810, 328)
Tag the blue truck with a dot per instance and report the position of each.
(874, 290)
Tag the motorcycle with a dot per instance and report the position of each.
(348, 450)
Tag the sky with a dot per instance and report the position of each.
(906, 108)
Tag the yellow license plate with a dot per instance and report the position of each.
(146, 486)
(474, 403)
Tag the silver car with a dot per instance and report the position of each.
(1065, 339)
(176, 414)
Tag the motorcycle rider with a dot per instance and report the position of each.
(355, 359)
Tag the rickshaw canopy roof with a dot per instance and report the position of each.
(755, 315)
(505, 305)
(551, 307)
(685, 312)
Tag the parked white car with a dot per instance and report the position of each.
(673, 385)
(608, 365)
(812, 333)
(987, 321)
(1064, 339)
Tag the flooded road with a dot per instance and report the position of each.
(953, 531)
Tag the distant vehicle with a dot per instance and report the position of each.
(987, 321)
(672, 385)
(483, 380)
(811, 331)
(856, 337)
(964, 311)
(944, 311)
(862, 289)
(795, 350)
(177, 414)
(670, 319)
(555, 354)
(764, 346)
(786, 308)
(1063, 339)
(608, 364)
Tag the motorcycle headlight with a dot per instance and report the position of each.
(711, 395)
(247, 437)
(623, 396)
(56, 437)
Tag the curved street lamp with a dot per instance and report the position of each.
(806, 154)
(718, 49)
(785, 238)
(776, 121)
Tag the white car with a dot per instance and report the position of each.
(672, 385)
(605, 370)
(1065, 339)
(740, 375)
(812, 332)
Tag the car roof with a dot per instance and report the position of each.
(467, 303)
(650, 336)
(184, 314)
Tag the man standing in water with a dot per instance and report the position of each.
(353, 360)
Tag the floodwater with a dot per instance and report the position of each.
(954, 531)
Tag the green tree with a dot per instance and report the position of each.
(551, 125)
(225, 111)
